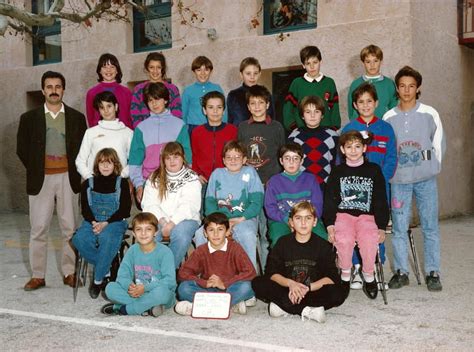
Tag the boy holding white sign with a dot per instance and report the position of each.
(221, 265)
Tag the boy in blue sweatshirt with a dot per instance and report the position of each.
(193, 115)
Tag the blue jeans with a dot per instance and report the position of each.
(245, 233)
(180, 238)
(158, 296)
(109, 240)
(239, 290)
(426, 196)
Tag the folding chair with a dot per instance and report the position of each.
(379, 277)
(81, 268)
(378, 273)
(416, 262)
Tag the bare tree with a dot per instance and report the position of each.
(20, 20)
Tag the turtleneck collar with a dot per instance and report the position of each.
(355, 163)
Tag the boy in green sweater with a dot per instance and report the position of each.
(372, 56)
(313, 82)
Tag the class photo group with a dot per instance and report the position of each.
(227, 198)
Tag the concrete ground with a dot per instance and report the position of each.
(414, 319)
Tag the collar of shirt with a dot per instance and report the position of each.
(212, 250)
(311, 79)
(372, 79)
(53, 115)
(267, 121)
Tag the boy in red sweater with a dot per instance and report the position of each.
(221, 265)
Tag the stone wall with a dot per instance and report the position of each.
(418, 33)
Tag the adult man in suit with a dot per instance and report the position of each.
(48, 141)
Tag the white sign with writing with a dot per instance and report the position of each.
(211, 305)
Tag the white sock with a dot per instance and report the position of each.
(346, 275)
(369, 277)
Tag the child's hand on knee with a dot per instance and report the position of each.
(331, 234)
(381, 236)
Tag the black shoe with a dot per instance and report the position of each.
(370, 289)
(94, 289)
(433, 282)
(345, 287)
(398, 280)
(109, 309)
(103, 286)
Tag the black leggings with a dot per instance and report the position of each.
(328, 296)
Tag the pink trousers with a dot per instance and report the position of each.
(351, 229)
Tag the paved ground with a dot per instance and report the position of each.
(414, 319)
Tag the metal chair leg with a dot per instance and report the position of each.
(416, 262)
(380, 277)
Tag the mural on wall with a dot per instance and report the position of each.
(289, 15)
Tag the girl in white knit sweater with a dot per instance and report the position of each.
(173, 195)
(109, 133)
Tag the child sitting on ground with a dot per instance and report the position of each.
(221, 265)
(301, 275)
(288, 188)
(105, 203)
(146, 280)
(356, 209)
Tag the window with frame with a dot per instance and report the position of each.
(152, 27)
(289, 15)
(46, 40)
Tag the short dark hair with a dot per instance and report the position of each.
(309, 51)
(216, 218)
(234, 145)
(311, 100)
(212, 95)
(156, 91)
(201, 61)
(156, 57)
(104, 59)
(106, 96)
(249, 61)
(291, 147)
(365, 87)
(410, 72)
(52, 74)
(145, 218)
(257, 91)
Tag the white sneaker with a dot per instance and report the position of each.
(275, 311)
(314, 313)
(183, 308)
(251, 302)
(240, 308)
(356, 280)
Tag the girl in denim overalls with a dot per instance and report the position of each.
(105, 203)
